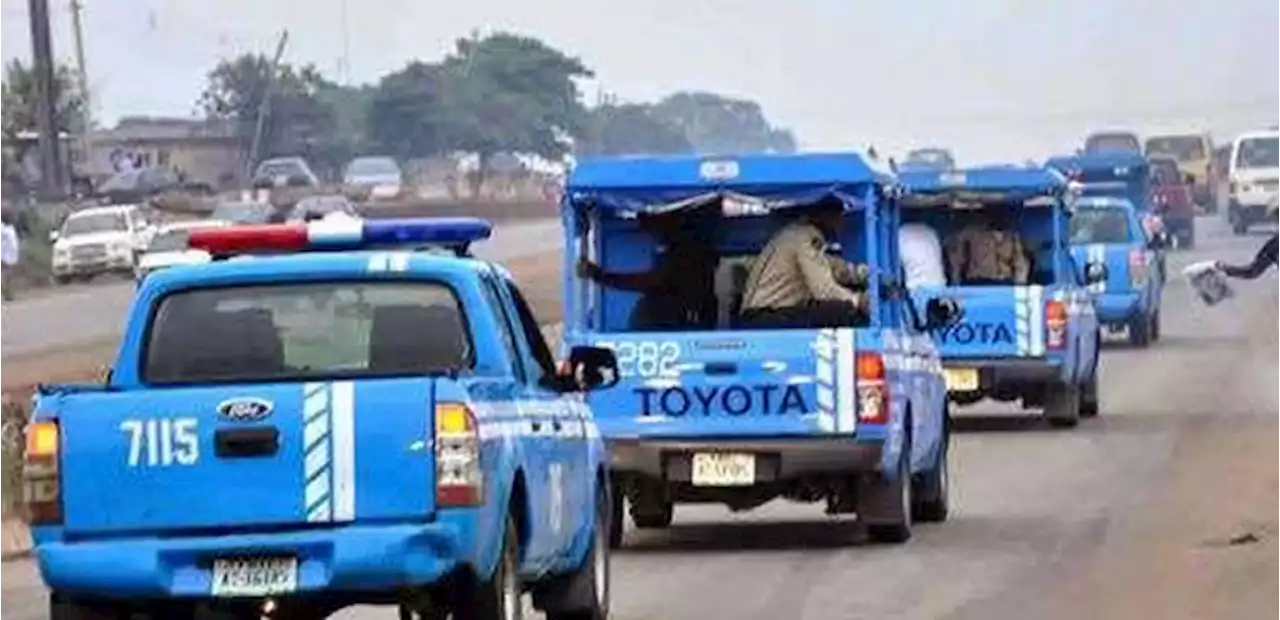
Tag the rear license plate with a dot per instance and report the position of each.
(254, 576)
(711, 469)
(961, 379)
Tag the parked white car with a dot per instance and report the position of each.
(99, 240)
(373, 178)
(169, 247)
(1253, 176)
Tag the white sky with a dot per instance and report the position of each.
(997, 80)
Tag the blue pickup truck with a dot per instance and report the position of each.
(1037, 340)
(721, 413)
(356, 419)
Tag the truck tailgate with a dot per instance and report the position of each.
(259, 456)
(998, 321)
(739, 384)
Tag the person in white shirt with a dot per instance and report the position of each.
(10, 251)
(921, 255)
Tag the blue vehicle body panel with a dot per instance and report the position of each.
(1124, 296)
(1119, 174)
(1004, 325)
(351, 490)
(707, 388)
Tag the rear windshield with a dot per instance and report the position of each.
(1180, 148)
(292, 332)
(1112, 143)
(1100, 225)
(1259, 153)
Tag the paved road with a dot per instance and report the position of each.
(1031, 504)
(93, 313)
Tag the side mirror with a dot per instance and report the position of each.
(593, 368)
(1095, 273)
(53, 235)
(941, 313)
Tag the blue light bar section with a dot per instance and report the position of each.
(447, 231)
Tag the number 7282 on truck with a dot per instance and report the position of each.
(348, 422)
(714, 410)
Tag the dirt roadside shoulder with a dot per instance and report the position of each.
(538, 276)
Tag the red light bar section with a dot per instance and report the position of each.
(248, 238)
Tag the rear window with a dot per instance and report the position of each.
(1180, 148)
(294, 332)
(1106, 225)
(1113, 143)
(1258, 153)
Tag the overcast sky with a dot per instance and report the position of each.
(994, 79)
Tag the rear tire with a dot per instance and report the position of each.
(586, 592)
(1062, 405)
(615, 517)
(499, 597)
(1140, 332)
(1155, 326)
(1089, 405)
(897, 528)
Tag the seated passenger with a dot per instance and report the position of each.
(988, 251)
(679, 292)
(793, 283)
(921, 255)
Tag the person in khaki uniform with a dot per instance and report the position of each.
(987, 251)
(793, 283)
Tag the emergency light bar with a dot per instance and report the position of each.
(456, 233)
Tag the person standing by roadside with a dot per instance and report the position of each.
(10, 251)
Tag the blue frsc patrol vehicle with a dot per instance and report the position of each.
(1107, 236)
(1037, 341)
(356, 423)
(855, 416)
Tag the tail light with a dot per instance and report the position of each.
(1137, 268)
(459, 477)
(873, 392)
(41, 473)
(1055, 324)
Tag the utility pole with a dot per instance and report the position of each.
(346, 46)
(264, 106)
(82, 75)
(46, 123)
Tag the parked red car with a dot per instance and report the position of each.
(1173, 201)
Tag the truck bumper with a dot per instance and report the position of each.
(1117, 309)
(94, 267)
(776, 460)
(350, 558)
(1004, 378)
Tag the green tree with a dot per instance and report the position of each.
(718, 124)
(631, 129)
(18, 95)
(408, 115)
(511, 93)
(298, 123)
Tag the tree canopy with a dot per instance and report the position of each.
(19, 100)
(501, 93)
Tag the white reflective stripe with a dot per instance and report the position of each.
(1021, 319)
(317, 458)
(1035, 300)
(337, 229)
(846, 395)
(379, 262)
(1097, 253)
(825, 350)
(344, 451)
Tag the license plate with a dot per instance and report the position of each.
(723, 469)
(961, 379)
(254, 576)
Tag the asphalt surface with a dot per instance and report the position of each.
(83, 314)
(1028, 502)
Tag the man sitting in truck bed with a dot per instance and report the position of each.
(987, 251)
(792, 283)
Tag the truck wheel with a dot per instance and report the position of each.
(63, 607)
(895, 527)
(1155, 326)
(62, 280)
(1140, 331)
(585, 593)
(615, 517)
(655, 515)
(1089, 405)
(499, 597)
(1062, 405)
(933, 492)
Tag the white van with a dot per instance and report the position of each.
(1253, 179)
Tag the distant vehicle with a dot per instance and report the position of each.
(99, 240)
(1193, 153)
(1171, 198)
(138, 186)
(1109, 142)
(373, 178)
(928, 159)
(246, 213)
(1114, 251)
(318, 207)
(285, 172)
(169, 247)
(1253, 179)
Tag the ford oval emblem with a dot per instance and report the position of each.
(244, 409)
